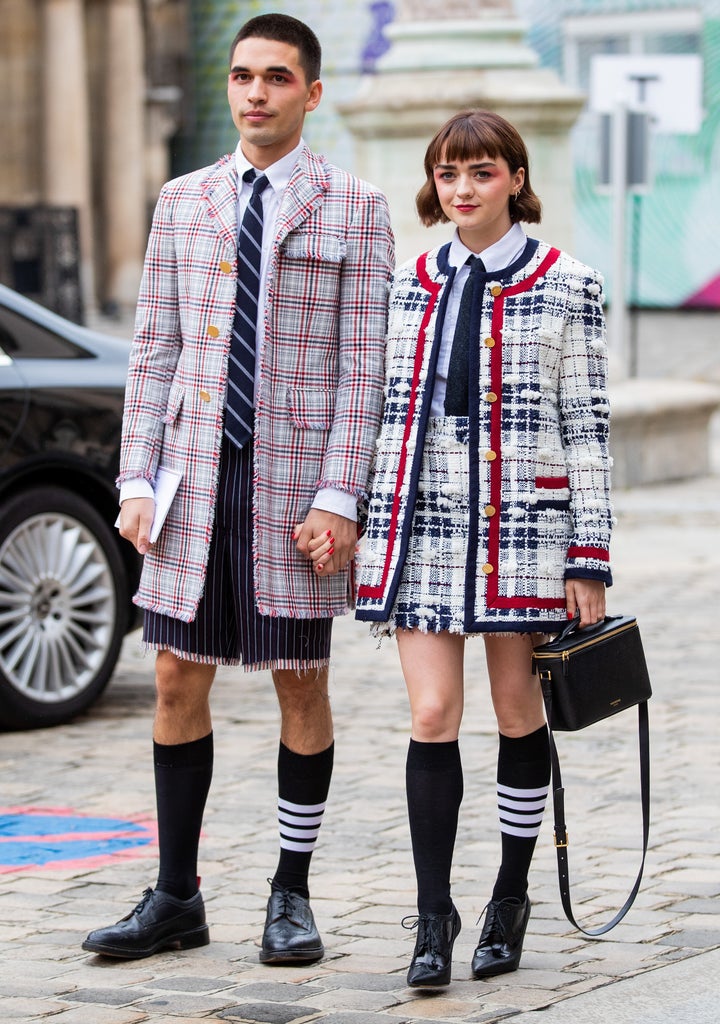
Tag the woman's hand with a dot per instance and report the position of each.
(321, 550)
(328, 540)
(587, 597)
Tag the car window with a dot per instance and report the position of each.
(23, 339)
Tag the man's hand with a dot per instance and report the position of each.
(327, 539)
(587, 597)
(136, 516)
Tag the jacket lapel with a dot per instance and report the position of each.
(305, 191)
(220, 191)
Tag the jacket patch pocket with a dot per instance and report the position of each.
(311, 409)
(326, 248)
(552, 492)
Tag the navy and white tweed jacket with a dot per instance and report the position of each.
(539, 509)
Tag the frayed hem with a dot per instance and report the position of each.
(287, 663)
(293, 664)
(197, 659)
(386, 630)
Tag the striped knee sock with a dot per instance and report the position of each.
(303, 786)
(523, 782)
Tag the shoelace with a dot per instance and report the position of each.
(288, 905)
(496, 929)
(434, 935)
(144, 899)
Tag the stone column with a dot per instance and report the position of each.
(19, 158)
(66, 126)
(124, 227)
(473, 57)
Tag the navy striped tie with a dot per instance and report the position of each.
(456, 393)
(239, 411)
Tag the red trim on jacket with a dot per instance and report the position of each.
(551, 482)
(588, 552)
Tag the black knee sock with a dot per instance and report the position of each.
(303, 786)
(183, 773)
(523, 777)
(434, 783)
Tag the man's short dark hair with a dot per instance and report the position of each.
(283, 28)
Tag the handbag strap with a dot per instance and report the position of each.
(561, 834)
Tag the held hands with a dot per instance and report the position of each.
(328, 540)
(136, 516)
(586, 597)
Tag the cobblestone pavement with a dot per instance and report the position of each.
(667, 563)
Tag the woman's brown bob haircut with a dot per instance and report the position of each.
(467, 136)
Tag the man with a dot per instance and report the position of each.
(275, 256)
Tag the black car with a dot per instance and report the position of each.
(66, 576)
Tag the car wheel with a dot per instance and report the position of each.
(63, 607)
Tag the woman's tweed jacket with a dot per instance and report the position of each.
(320, 391)
(539, 466)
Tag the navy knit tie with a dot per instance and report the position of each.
(456, 393)
(240, 404)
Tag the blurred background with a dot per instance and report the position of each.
(104, 100)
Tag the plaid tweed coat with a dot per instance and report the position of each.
(539, 508)
(320, 390)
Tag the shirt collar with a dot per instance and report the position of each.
(497, 256)
(278, 174)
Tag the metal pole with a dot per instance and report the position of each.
(618, 179)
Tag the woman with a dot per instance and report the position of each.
(489, 509)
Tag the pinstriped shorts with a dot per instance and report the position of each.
(228, 629)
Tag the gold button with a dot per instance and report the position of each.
(226, 267)
(496, 290)
(213, 331)
(489, 342)
(205, 395)
(490, 456)
(489, 511)
(487, 569)
(490, 397)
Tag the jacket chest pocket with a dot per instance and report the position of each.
(306, 294)
(323, 248)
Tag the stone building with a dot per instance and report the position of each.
(91, 95)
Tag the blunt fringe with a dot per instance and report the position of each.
(283, 28)
(467, 136)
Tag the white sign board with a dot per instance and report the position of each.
(669, 86)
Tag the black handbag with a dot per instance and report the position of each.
(587, 675)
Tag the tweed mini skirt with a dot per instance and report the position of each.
(431, 594)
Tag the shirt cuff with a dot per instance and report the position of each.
(338, 502)
(136, 488)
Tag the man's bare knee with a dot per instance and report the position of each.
(306, 717)
(182, 686)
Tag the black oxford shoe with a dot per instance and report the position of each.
(290, 934)
(159, 921)
(501, 939)
(431, 964)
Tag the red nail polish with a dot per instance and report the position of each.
(331, 551)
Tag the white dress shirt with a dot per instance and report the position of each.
(496, 257)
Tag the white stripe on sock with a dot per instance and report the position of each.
(299, 822)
